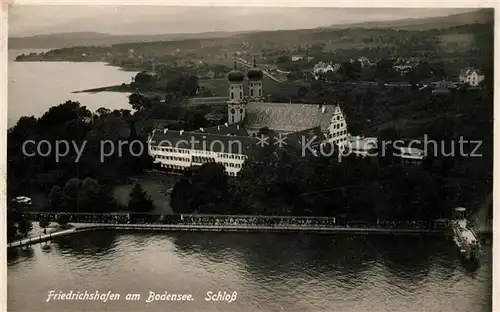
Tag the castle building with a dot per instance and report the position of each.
(232, 143)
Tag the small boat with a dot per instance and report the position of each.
(465, 238)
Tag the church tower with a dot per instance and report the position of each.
(236, 102)
(255, 76)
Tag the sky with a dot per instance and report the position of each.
(28, 20)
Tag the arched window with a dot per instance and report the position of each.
(232, 95)
(260, 92)
(241, 95)
(251, 92)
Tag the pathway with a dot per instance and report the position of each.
(82, 227)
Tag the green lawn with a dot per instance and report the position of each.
(155, 184)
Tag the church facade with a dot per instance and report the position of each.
(232, 143)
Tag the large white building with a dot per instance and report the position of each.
(232, 143)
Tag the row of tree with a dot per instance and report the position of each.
(77, 196)
(88, 196)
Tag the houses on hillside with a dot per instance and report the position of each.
(471, 76)
(365, 62)
(404, 66)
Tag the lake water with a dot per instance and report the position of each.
(269, 272)
(34, 87)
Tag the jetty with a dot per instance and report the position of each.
(85, 227)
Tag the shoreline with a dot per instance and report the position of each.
(114, 88)
(86, 227)
(122, 68)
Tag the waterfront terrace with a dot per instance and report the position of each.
(227, 223)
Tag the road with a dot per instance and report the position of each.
(242, 62)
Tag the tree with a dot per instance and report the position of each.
(180, 199)
(143, 78)
(139, 102)
(24, 226)
(209, 183)
(264, 131)
(103, 111)
(63, 220)
(44, 222)
(88, 195)
(70, 195)
(55, 198)
(139, 201)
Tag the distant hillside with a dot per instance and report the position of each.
(92, 39)
(482, 16)
(65, 40)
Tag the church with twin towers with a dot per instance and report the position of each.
(232, 143)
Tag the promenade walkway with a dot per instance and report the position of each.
(82, 227)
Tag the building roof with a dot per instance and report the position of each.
(214, 116)
(212, 100)
(470, 70)
(235, 76)
(363, 143)
(217, 143)
(288, 117)
(255, 73)
(411, 153)
(226, 129)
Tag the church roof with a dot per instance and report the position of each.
(287, 116)
(218, 143)
(235, 76)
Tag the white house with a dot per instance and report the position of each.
(410, 155)
(365, 62)
(363, 146)
(322, 67)
(471, 76)
(337, 130)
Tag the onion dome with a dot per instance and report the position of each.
(235, 75)
(255, 73)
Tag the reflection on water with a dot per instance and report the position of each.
(270, 272)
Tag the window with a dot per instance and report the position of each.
(232, 95)
(241, 95)
(251, 92)
(260, 92)
(232, 119)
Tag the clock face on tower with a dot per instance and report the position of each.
(232, 111)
